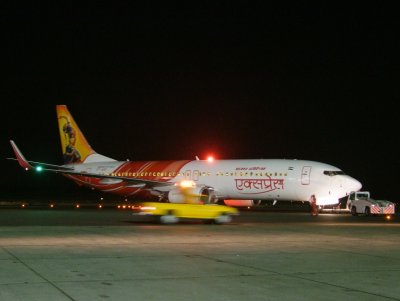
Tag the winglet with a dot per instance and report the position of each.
(20, 157)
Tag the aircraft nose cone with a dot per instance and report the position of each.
(354, 184)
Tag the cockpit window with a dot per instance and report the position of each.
(362, 196)
(332, 173)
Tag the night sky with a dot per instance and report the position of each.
(244, 80)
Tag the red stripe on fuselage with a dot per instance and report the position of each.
(156, 170)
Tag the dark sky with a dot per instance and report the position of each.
(244, 80)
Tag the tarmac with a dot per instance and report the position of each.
(94, 254)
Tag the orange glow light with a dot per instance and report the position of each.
(144, 208)
(210, 159)
(187, 184)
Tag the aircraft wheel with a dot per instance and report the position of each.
(367, 211)
(223, 218)
(169, 218)
(353, 211)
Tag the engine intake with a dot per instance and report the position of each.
(243, 203)
(192, 195)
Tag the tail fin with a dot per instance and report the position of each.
(74, 145)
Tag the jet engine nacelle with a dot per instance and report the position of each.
(192, 195)
(242, 203)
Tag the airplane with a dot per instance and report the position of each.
(239, 182)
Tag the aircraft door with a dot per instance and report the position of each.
(305, 175)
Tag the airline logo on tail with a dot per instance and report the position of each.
(75, 148)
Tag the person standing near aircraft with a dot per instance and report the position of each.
(313, 205)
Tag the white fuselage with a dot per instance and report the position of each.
(264, 179)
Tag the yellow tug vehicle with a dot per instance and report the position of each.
(170, 213)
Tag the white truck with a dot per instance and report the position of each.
(360, 202)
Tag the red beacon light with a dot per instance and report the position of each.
(210, 159)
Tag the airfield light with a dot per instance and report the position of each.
(388, 217)
(77, 206)
(23, 205)
(51, 205)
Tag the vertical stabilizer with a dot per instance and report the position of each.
(75, 147)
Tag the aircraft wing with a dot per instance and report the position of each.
(32, 165)
(28, 165)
